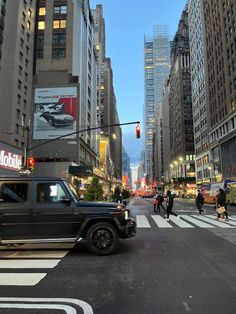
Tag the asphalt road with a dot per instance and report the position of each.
(163, 270)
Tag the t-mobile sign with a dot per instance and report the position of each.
(10, 160)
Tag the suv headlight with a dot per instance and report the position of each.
(126, 213)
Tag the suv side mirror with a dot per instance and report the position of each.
(65, 200)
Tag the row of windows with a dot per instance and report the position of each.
(59, 9)
(57, 24)
(57, 53)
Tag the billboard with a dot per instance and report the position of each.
(55, 113)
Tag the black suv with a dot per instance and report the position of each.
(39, 209)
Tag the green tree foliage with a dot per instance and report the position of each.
(94, 191)
(125, 194)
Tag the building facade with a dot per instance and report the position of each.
(156, 71)
(180, 104)
(16, 69)
(220, 47)
(65, 98)
(199, 101)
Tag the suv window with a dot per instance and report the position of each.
(50, 193)
(14, 192)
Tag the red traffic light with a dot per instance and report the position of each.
(138, 129)
(30, 164)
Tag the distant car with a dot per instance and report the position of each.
(58, 119)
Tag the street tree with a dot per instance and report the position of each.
(94, 191)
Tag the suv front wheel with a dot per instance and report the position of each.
(102, 238)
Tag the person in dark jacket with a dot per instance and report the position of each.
(169, 205)
(160, 200)
(199, 202)
(221, 201)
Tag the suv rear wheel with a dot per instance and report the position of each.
(102, 238)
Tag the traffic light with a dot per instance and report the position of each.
(138, 129)
(30, 164)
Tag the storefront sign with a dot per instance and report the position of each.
(9, 160)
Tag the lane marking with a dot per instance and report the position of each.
(31, 254)
(181, 223)
(215, 222)
(142, 221)
(197, 222)
(161, 222)
(20, 279)
(85, 306)
(66, 308)
(230, 222)
(32, 263)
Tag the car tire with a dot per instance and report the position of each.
(51, 121)
(102, 238)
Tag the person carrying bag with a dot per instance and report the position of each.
(221, 208)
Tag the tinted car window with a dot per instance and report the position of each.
(50, 193)
(14, 192)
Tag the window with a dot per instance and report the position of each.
(59, 24)
(14, 192)
(39, 53)
(40, 39)
(42, 11)
(28, 25)
(59, 38)
(41, 25)
(62, 9)
(58, 53)
(50, 193)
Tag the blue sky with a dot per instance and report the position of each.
(127, 21)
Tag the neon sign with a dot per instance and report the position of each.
(10, 160)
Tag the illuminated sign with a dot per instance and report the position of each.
(9, 160)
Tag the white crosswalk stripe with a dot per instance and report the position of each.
(161, 222)
(29, 257)
(197, 222)
(185, 222)
(142, 221)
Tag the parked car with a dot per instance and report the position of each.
(40, 209)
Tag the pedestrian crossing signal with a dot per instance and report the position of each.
(138, 129)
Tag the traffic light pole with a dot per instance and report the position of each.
(28, 149)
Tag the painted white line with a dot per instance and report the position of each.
(215, 222)
(161, 222)
(85, 306)
(32, 254)
(67, 309)
(197, 222)
(29, 263)
(142, 221)
(230, 222)
(232, 218)
(22, 279)
(179, 222)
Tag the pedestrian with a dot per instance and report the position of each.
(169, 205)
(199, 202)
(155, 203)
(160, 200)
(221, 203)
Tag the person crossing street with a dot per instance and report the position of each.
(169, 205)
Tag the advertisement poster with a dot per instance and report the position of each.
(55, 112)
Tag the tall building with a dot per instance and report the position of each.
(126, 169)
(220, 48)
(106, 100)
(156, 71)
(199, 101)
(65, 99)
(16, 63)
(180, 102)
(213, 59)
